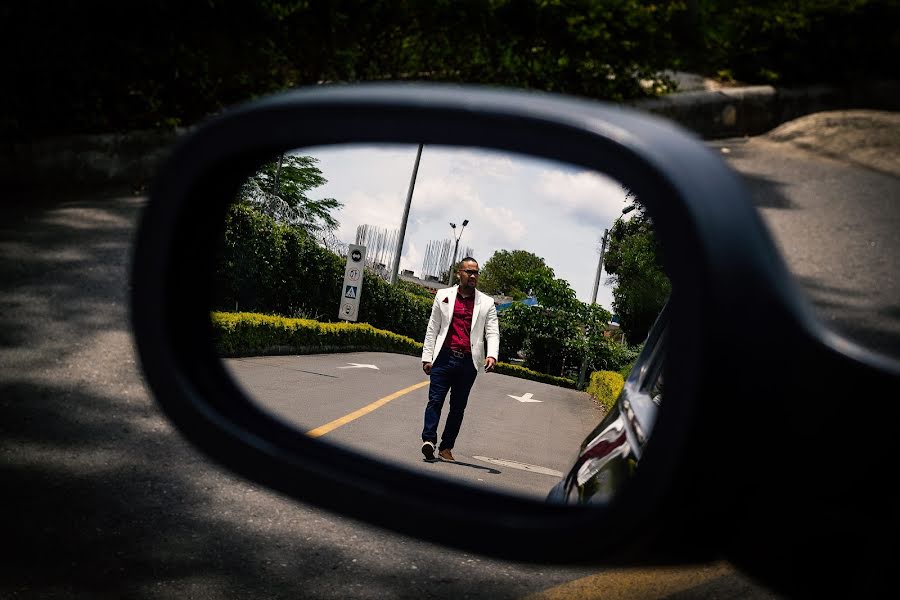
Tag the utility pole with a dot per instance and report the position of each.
(583, 371)
(395, 267)
(625, 211)
(599, 266)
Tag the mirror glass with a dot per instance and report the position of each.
(321, 318)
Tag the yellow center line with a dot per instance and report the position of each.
(320, 431)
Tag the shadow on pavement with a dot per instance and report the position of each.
(767, 193)
(464, 464)
(102, 498)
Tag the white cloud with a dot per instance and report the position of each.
(487, 164)
(381, 209)
(510, 202)
(584, 194)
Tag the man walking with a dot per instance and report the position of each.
(462, 318)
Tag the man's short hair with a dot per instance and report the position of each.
(466, 259)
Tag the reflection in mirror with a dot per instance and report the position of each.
(322, 321)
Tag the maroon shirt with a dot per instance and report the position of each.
(461, 324)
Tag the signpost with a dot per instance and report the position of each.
(353, 280)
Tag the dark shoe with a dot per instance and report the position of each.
(445, 454)
(428, 450)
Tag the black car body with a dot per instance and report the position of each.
(610, 454)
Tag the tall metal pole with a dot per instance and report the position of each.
(395, 267)
(455, 247)
(625, 211)
(599, 266)
(583, 372)
(453, 262)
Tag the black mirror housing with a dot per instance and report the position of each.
(699, 493)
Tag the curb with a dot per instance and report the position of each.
(131, 159)
(753, 110)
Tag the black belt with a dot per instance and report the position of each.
(459, 353)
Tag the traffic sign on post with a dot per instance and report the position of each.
(353, 280)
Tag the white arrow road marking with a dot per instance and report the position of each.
(525, 397)
(360, 366)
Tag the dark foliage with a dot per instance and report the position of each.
(278, 269)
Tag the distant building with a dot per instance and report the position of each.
(507, 302)
(431, 283)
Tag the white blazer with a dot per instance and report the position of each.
(485, 326)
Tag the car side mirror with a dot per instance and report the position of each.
(718, 256)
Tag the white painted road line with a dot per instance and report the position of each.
(519, 465)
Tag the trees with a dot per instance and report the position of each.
(541, 333)
(558, 333)
(279, 189)
(804, 41)
(278, 268)
(507, 272)
(177, 62)
(633, 260)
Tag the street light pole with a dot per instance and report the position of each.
(395, 267)
(455, 247)
(583, 372)
(599, 266)
(452, 263)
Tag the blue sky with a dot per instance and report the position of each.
(512, 202)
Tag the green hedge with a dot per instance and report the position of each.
(248, 334)
(389, 307)
(626, 370)
(605, 387)
(244, 334)
(523, 373)
(274, 268)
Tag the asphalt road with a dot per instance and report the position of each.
(103, 499)
(358, 406)
(835, 220)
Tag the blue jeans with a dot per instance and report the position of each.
(454, 375)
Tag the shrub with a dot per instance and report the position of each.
(605, 387)
(244, 334)
(626, 370)
(389, 307)
(275, 268)
(415, 290)
(249, 334)
(523, 373)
